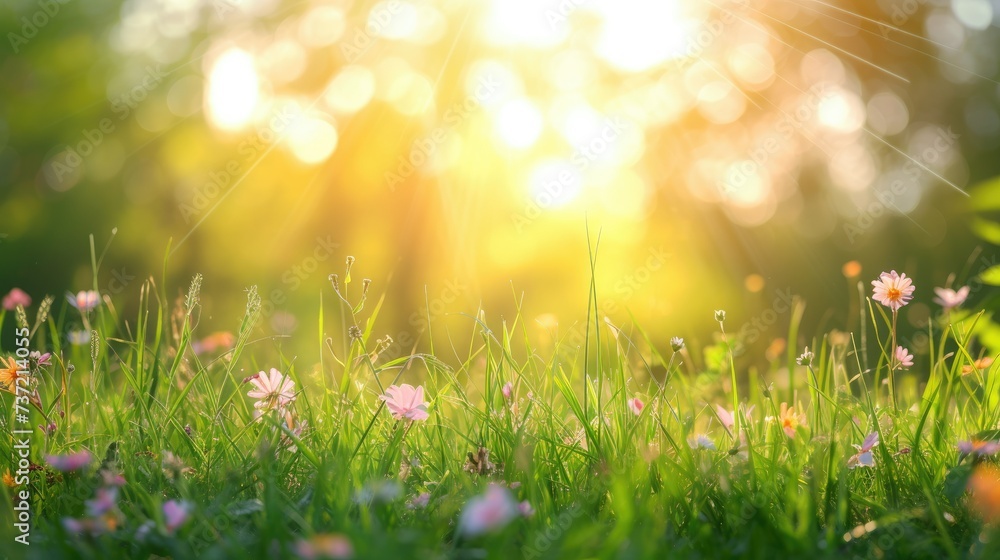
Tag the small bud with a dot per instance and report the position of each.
(354, 331)
(806, 358)
(676, 343)
(720, 315)
(365, 284)
(336, 283)
(347, 275)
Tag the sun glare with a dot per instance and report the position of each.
(233, 90)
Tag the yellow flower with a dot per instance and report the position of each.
(8, 372)
(8, 480)
(790, 420)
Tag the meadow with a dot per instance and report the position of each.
(148, 438)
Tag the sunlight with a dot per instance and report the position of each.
(233, 90)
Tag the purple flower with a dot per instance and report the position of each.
(903, 357)
(864, 458)
(978, 447)
(70, 462)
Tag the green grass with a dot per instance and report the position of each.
(604, 483)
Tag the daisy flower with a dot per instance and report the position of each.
(949, 299)
(903, 357)
(790, 420)
(893, 290)
(273, 391)
(8, 372)
(806, 358)
(405, 401)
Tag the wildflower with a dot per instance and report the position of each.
(48, 429)
(420, 501)
(984, 487)
(949, 299)
(806, 358)
(221, 340)
(103, 502)
(39, 359)
(112, 478)
(175, 514)
(978, 447)
(324, 546)
(720, 315)
(16, 297)
(9, 372)
(8, 480)
(864, 458)
(406, 402)
(702, 442)
(790, 420)
(526, 509)
(274, 391)
(982, 363)
(507, 390)
(903, 357)
(726, 417)
(636, 405)
(893, 290)
(70, 462)
(676, 343)
(79, 338)
(84, 301)
(489, 512)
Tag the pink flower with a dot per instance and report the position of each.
(324, 546)
(978, 447)
(526, 509)
(175, 514)
(16, 297)
(636, 406)
(222, 340)
(41, 359)
(274, 391)
(84, 300)
(864, 458)
(406, 402)
(950, 299)
(726, 418)
(903, 357)
(420, 501)
(489, 512)
(70, 462)
(893, 290)
(103, 502)
(507, 390)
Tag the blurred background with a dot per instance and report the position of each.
(712, 153)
